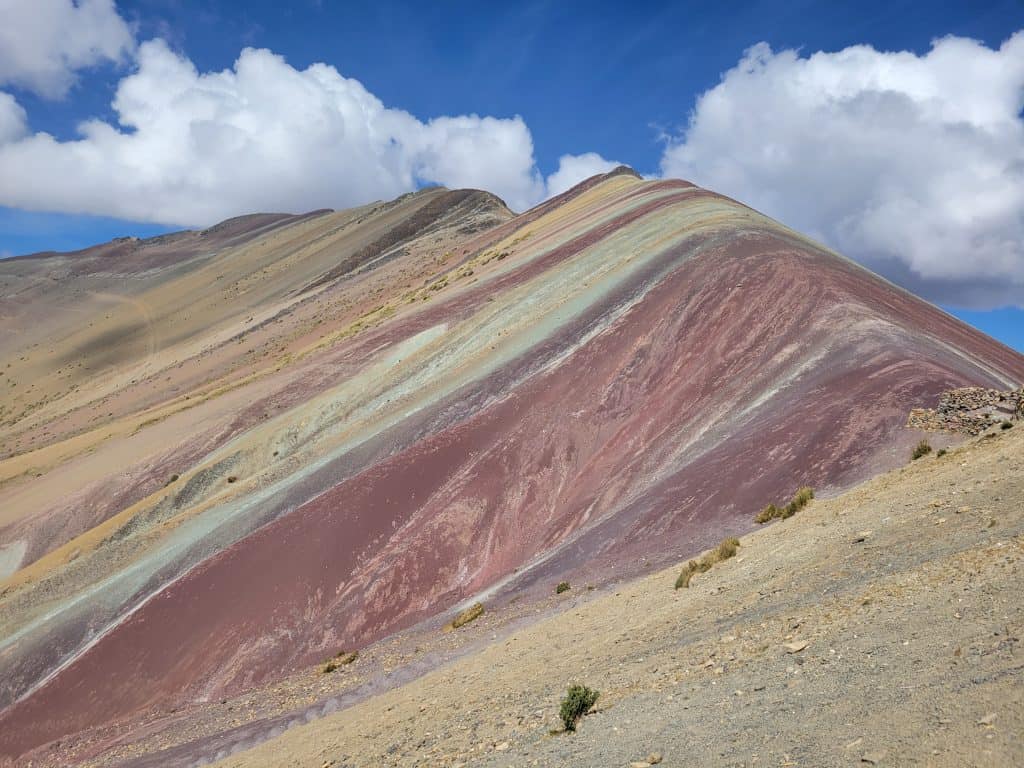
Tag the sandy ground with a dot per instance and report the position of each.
(902, 595)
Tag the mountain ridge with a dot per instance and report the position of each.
(402, 413)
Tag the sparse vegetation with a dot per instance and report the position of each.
(921, 449)
(340, 659)
(770, 512)
(232, 479)
(474, 612)
(563, 586)
(172, 479)
(800, 500)
(941, 452)
(579, 700)
(1006, 425)
(727, 548)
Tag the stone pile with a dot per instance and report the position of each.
(969, 410)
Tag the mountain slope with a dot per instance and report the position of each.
(902, 594)
(386, 411)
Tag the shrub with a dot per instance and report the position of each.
(577, 702)
(727, 548)
(1006, 425)
(921, 449)
(563, 586)
(474, 612)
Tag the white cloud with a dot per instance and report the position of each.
(43, 42)
(12, 119)
(572, 169)
(912, 164)
(488, 153)
(193, 148)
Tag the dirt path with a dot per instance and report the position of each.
(905, 590)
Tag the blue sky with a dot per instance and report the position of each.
(603, 82)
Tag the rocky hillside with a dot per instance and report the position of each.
(881, 627)
(233, 453)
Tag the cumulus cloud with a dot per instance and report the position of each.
(192, 148)
(12, 119)
(572, 169)
(912, 164)
(43, 42)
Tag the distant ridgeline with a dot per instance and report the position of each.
(970, 410)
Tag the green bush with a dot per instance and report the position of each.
(921, 449)
(941, 452)
(563, 586)
(577, 702)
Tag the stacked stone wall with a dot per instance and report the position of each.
(969, 410)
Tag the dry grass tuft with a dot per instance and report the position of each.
(726, 549)
(921, 449)
(474, 612)
(800, 500)
(341, 659)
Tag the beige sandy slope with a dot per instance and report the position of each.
(183, 335)
(111, 343)
(905, 590)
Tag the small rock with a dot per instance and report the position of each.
(503, 746)
(797, 646)
(988, 719)
(874, 757)
(654, 758)
(640, 764)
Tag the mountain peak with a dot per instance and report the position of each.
(405, 407)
